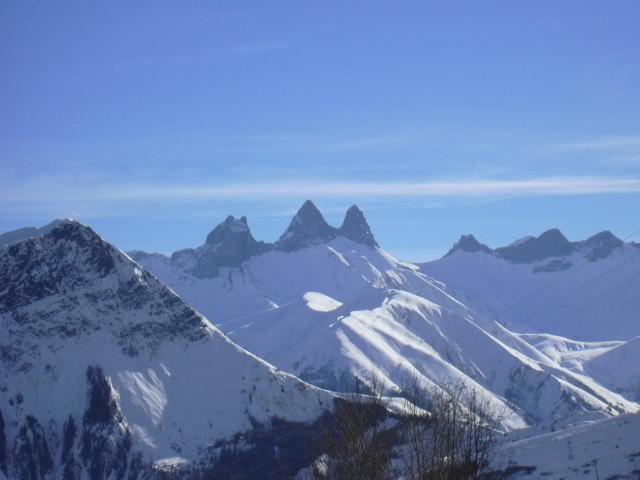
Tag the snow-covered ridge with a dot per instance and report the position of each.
(590, 293)
(105, 371)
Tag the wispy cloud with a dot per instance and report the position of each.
(47, 193)
(600, 144)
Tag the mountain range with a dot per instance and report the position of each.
(545, 330)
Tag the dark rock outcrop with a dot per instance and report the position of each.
(356, 228)
(3, 446)
(106, 438)
(32, 459)
(88, 286)
(551, 243)
(600, 245)
(308, 227)
(228, 245)
(468, 243)
(231, 243)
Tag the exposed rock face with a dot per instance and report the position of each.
(102, 450)
(468, 243)
(308, 227)
(3, 446)
(231, 243)
(356, 228)
(31, 458)
(49, 283)
(551, 243)
(228, 245)
(106, 438)
(81, 321)
(600, 245)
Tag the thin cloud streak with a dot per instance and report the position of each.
(41, 191)
(464, 188)
(598, 144)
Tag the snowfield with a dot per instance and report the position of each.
(606, 449)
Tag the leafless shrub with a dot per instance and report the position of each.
(358, 442)
(455, 440)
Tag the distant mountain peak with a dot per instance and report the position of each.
(231, 227)
(600, 245)
(73, 269)
(228, 245)
(468, 243)
(551, 243)
(307, 227)
(309, 216)
(553, 235)
(356, 228)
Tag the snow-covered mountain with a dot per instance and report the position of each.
(327, 304)
(106, 372)
(587, 290)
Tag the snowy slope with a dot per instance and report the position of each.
(588, 290)
(605, 449)
(335, 306)
(104, 369)
(619, 368)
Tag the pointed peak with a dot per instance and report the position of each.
(553, 234)
(468, 243)
(307, 227)
(228, 245)
(70, 229)
(354, 210)
(356, 228)
(308, 212)
(230, 227)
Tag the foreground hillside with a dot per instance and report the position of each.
(605, 449)
(106, 373)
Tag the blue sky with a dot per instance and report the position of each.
(152, 121)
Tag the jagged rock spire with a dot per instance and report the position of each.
(229, 229)
(228, 245)
(356, 228)
(307, 227)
